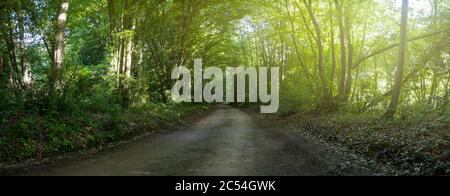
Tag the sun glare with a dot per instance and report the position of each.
(418, 7)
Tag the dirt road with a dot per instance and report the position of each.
(228, 141)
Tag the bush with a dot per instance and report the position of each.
(27, 135)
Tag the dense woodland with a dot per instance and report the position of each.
(79, 73)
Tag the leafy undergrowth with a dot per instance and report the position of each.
(412, 146)
(29, 136)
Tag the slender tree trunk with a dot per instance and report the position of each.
(244, 49)
(294, 40)
(257, 56)
(349, 39)
(49, 49)
(434, 85)
(446, 95)
(312, 43)
(401, 62)
(122, 55)
(423, 89)
(130, 49)
(435, 80)
(354, 96)
(2, 67)
(126, 49)
(332, 47)
(375, 79)
(116, 40)
(342, 78)
(59, 45)
(283, 49)
(128, 69)
(115, 50)
(9, 39)
(112, 19)
(320, 65)
(26, 72)
(263, 48)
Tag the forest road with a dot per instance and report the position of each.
(227, 142)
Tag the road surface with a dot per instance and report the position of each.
(227, 142)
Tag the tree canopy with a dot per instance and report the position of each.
(333, 54)
(82, 73)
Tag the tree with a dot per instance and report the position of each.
(401, 62)
(343, 49)
(2, 66)
(58, 56)
(295, 41)
(320, 65)
(446, 101)
(330, 54)
(12, 54)
(122, 43)
(332, 45)
(25, 66)
(349, 41)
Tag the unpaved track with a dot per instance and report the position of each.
(227, 142)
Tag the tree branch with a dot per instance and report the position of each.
(389, 93)
(359, 62)
(49, 51)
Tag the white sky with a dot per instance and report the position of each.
(417, 6)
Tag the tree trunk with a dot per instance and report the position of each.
(116, 40)
(112, 19)
(342, 78)
(320, 64)
(2, 67)
(282, 54)
(49, 50)
(312, 43)
(128, 69)
(354, 96)
(26, 72)
(130, 49)
(446, 95)
(9, 39)
(332, 47)
(122, 55)
(435, 80)
(295, 42)
(244, 49)
(434, 85)
(59, 45)
(349, 39)
(401, 62)
(126, 48)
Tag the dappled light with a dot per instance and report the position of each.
(370, 75)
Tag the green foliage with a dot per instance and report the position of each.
(30, 135)
(89, 115)
(295, 98)
(119, 54)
